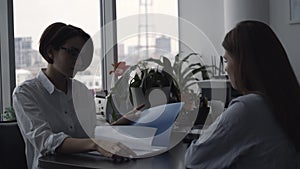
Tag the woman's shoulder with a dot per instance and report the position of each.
(27, 85)
(250, 102)
(249, 98)
(247, 108)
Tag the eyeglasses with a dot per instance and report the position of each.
(71, 51)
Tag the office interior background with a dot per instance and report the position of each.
(22, 23)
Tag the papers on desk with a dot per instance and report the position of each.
(128, 135)
(161, 117)
(137, 138)
(150, 133)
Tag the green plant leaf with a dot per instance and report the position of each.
(192, 83)
(167, 65)
(188, 56)
(185, 59)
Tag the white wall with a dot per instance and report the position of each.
(289, 34)
(238, 10)
(208, 16)
(213, 18)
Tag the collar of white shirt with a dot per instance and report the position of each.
(47, 84)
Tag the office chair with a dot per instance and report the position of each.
(12, 147)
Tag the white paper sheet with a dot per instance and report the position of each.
(135, 137)
(150, 133)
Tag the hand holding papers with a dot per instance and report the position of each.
(161, 117)
(150, 133)
(137, 138)
(115, 150)
(129, 117)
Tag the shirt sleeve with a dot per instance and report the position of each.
(33, 124)
(222, 142)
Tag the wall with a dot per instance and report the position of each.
(289, 34)
(208, 17)
(238, 10)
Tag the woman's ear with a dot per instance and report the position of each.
(50, 54)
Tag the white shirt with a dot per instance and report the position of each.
(244, 136)
(46, 115)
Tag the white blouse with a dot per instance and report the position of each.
(46, 115)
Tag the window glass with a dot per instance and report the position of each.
(31, 17)
(140, 35)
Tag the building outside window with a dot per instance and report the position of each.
(146, 39)
(31, 17)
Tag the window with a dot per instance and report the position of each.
(7, 54)
(31, 17)
(27, 20)
(140, 29)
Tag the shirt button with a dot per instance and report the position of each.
(71, 127)
(66, 112)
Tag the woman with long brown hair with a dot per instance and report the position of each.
(261, 128)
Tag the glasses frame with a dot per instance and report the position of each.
(74, 52)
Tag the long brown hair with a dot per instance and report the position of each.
(263, 66)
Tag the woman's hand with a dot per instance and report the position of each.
(129, 117)
(113, 149)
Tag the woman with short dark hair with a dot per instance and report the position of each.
(56, 113)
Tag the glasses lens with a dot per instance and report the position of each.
(71, 51)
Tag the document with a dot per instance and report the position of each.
(150, 133)
(137, 138)
(134, 137)
(162, 118)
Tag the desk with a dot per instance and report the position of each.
(173, 159)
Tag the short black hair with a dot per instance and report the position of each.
(56, 34)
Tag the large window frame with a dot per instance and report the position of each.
(7, 48)
(108, 38)
(7, 52)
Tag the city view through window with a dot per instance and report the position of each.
(31, 17)
(147, 40)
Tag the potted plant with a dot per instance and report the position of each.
(133, 88)
(118, 102)
(149, 79)
(8, 115)
(185, 74)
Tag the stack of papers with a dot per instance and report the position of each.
(137, 138)
(149, 134)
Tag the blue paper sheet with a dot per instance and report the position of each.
(161, 117)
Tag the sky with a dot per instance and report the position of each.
(31, 17)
